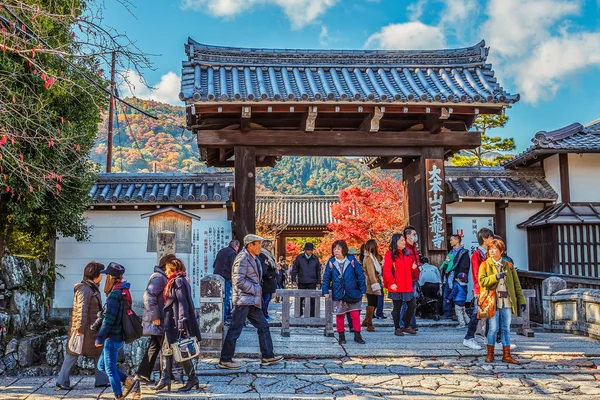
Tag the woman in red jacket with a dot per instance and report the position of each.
(399, 271)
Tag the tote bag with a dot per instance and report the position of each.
(486, 302)
(76, 343)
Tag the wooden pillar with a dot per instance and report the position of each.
(425, 206)
(565, 188)
(281, 242)
(245, 191)
(500, 220)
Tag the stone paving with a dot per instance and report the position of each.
(433, 363)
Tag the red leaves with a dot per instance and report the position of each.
(30, 189)
(49, 83)
(3, 141)
(50, 143)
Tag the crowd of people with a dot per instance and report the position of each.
(252, 275)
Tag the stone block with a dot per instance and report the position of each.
(11, 347)
(592, 313)
(11, 272)
(55, 351)
(565, 311)
(25, 353)
(211, 311)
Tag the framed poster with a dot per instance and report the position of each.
(208, 237)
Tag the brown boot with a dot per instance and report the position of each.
(365, 322)
(506, 357)
(490, 353)
(369, 318)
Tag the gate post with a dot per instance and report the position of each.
(211, 311)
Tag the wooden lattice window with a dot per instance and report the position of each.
(579, 250)
(171, 221)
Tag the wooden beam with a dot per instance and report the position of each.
(266, 162)
(434, 123)
(245, 120)
(500, 220)
(222, 155)
(565, 187)
(371, 122)
(255, 137)
(310, 117)
(245, 191)
(338, 151)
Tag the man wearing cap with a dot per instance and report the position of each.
(306, 270)
(247, 303)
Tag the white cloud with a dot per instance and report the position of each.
(324, 36)
(416, 9)
(299, 12)
(454, 12)
(165, 91)
(408, 36)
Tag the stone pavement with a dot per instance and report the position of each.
(433, 363)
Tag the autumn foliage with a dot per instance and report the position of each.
(364, 214)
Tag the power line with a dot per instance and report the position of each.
(132, 135)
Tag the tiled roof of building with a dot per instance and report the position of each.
(494, 183)
(165, 188)
(565, 214)
(296, 211)
(574, 138)
(228, 74)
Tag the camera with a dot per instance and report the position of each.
(95, 327)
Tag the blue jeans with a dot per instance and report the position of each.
(380, 302)
(257, 318)
(265, 306)
(108, 365)
(447, 306)
(500, 320)
(227, 299)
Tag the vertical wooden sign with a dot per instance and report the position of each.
(436, 204)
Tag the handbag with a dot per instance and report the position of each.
(185, 349)
(75, 343)
(486, 302)
(132, 325)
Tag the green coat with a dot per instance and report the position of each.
(488, 281)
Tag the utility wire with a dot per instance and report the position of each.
(132, 135)
(31, 34)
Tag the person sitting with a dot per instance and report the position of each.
(459, 296)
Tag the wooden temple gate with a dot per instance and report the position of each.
(406, 110)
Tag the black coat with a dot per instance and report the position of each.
(306, 271)
(224, 262)
(281, 278)
(180, 312)
(462, 261)
(269, 277)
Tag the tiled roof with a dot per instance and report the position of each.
(565, 214)
(164, 188)
(228, 74)
(494, 183)
(296, 211)
(574, 138)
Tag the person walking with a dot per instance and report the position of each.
(222, 266)
(306, 270)
(111, 333)
(269, 278)
(180, 322)
(459, 297)
(281, 278)
(370, 259)
(503, 296)
(247, 303)
(345, 279)
(153, 319)
(484, 236)
(399, 271)
(410, 234)
(87, 309)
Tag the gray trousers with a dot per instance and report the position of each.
(65, 372)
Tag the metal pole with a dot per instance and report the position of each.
(111, 114)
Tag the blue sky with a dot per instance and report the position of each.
(546, 50)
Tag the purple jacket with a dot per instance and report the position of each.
(180, 312)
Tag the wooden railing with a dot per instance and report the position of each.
(296, 319)
(533, 280)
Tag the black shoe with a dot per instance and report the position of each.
(358, 338)
(104, 385)
(191, 383)
(61, 387)
(161, 385)
(342, 338)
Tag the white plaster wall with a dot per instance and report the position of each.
(516, 239)
(470, 208)
(119, 236)
(584, 177)
(552, 172)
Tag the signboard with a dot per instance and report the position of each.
(208, 237)
(436, 205)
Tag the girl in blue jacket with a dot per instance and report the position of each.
(344, 277)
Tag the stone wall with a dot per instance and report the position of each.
(570, 310)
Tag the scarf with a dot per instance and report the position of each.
(124, 293)
(172, 278)
(270, 257)
(376, 263)
(341, 264)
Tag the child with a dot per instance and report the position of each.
(280, 277)
(459, 295)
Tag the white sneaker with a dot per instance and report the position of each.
(461, 327)
(472, 344)
(499, 346)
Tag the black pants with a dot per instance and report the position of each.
(311, 286)
(147, 365)
(257, 318)
(412, 305)
(372, 300)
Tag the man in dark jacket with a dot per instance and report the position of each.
(247, 303)
(457, 262)
(222, 266)
(306, 270)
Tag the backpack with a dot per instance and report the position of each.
(132, 324)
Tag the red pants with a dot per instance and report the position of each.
(340, 321)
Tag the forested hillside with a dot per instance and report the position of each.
(140, 143)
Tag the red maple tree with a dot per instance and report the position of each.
(364, 214)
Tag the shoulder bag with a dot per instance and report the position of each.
(132, 324)
(185, 349)
(486, 301)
